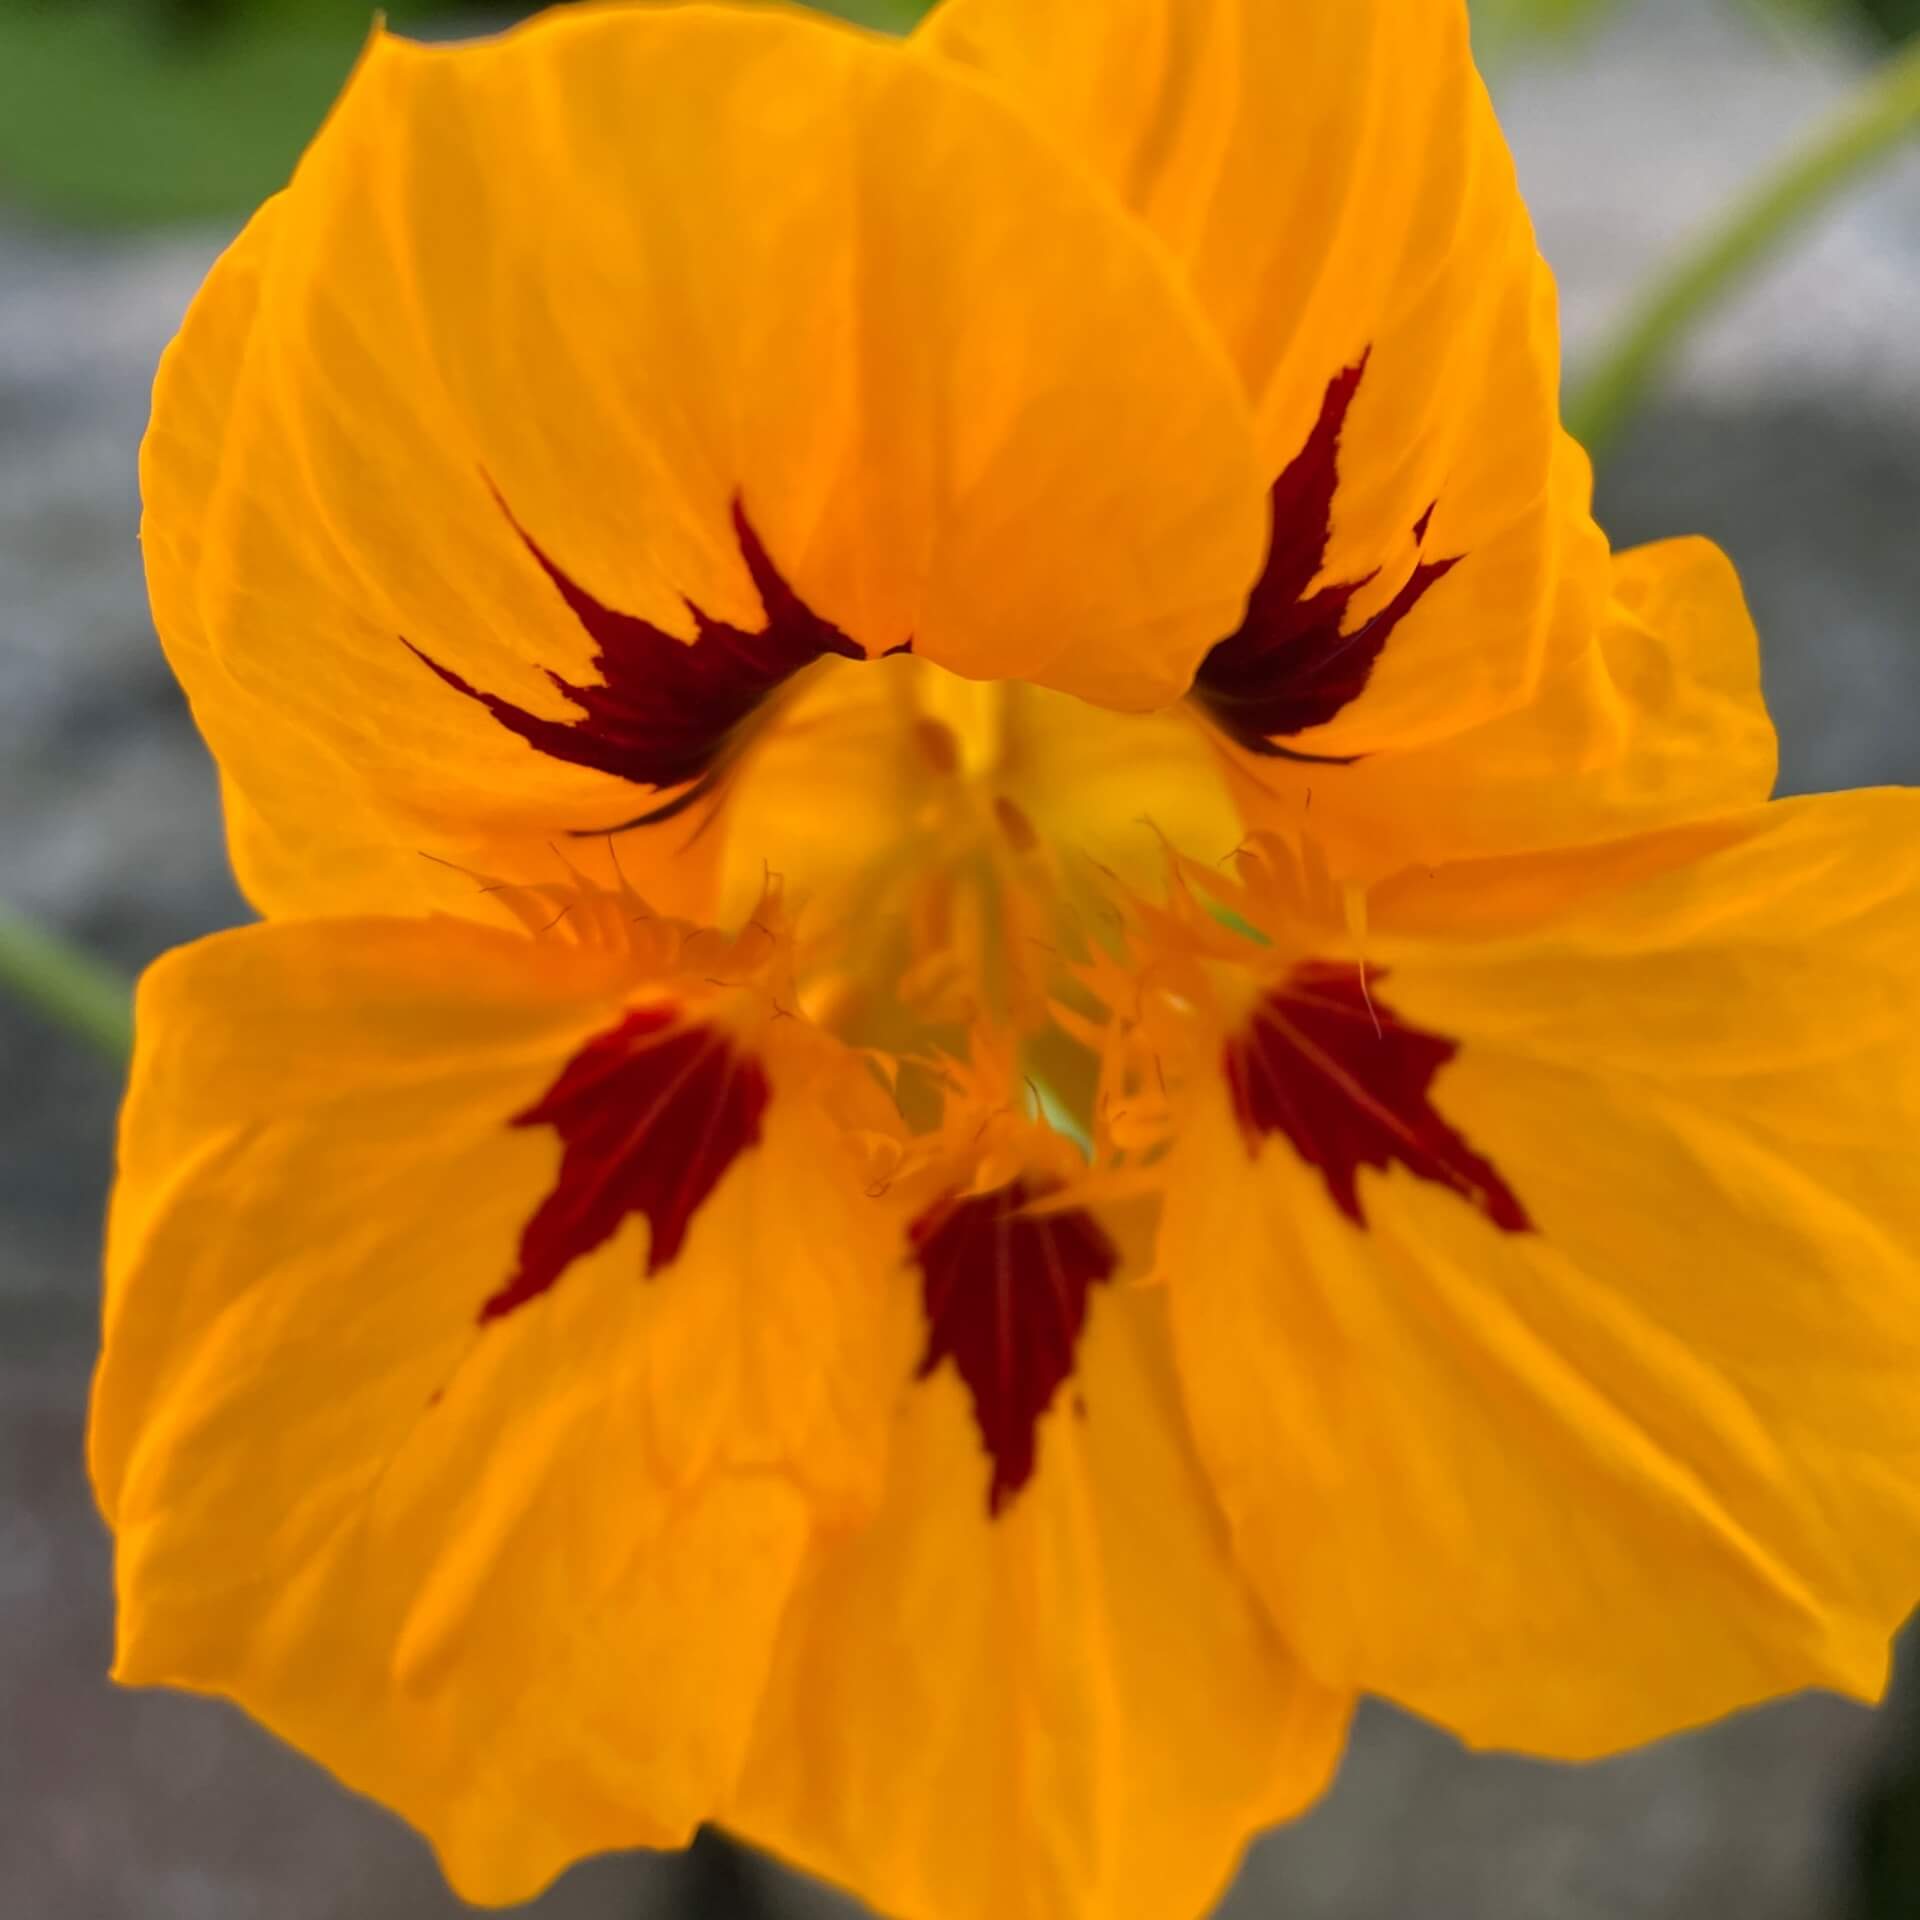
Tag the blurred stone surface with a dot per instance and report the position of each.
(1792, 435)
(1790, 431)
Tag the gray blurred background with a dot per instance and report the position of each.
(1789, 432)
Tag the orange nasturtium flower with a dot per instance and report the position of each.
(782, 612)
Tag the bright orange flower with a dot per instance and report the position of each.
(790, 621)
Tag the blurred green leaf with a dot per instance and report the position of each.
(107, 115)
(1897, 19)
(889, 16)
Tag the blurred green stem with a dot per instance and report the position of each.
(71, 988)
(1884, 112)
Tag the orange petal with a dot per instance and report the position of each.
(1067, 1709)
(1436, 617)
(1557, 1351)
(604, 314)
(508, 1557)
(1333, 183)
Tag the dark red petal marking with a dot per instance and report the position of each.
(1006, 1298)
(1291, 667)
(666, 708)
(652, 1113)
(1326, 1063)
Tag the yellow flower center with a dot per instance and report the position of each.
(945, 840)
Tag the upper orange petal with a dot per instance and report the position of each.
(1436, 631)
(697, 320)
(1332, 182)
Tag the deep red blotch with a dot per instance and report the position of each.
(651, 1114)
(1292, 666)
(666, 710)
(1328, 1064)
(1006, 1298)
